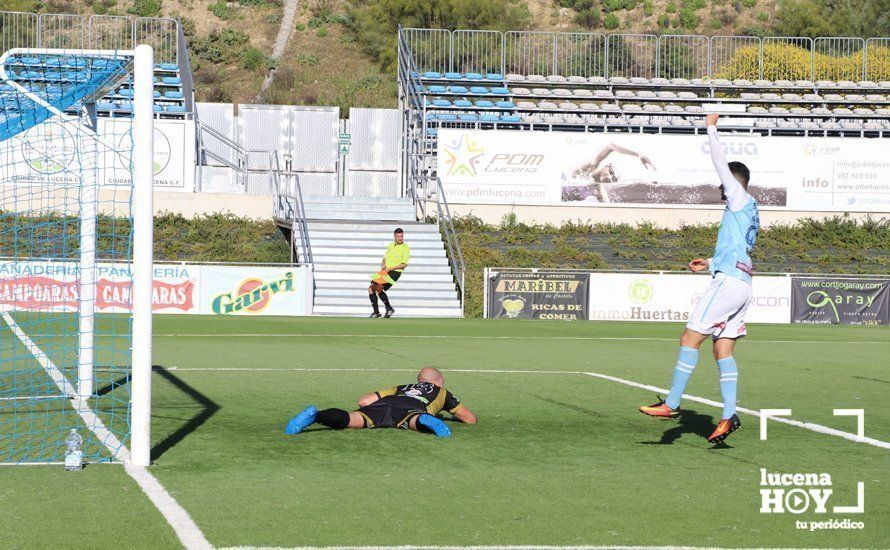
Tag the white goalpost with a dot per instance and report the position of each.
(75, 235)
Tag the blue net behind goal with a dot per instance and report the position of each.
(65, 257)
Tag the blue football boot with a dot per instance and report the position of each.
(300, 422)
(435, 425)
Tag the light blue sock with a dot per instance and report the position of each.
(729, 381)
(685, 366)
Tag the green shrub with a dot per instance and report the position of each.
(221, 10)
(763, 16)
(670, 7)
(648, 8)
(689, 19)
(611, 21)
(664, 20)
(145, 8)
(322, 32)
(308, 60)
(252, 59)
(749, 3)
(300, 27)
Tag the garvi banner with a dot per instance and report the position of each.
(799, 173)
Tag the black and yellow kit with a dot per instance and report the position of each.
(398, 405)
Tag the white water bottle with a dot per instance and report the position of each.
(74, 452)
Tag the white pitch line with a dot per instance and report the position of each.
(479, 547)
(818, 428)
(34, 397)
(178, 518)
(476, 337)
(813, 427)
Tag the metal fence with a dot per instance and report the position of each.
(66, 31)
(648, 55)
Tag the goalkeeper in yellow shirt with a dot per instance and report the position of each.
(395, 259)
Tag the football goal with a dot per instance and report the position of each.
(75, 254)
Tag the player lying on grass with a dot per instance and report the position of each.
(411, 406)
(721, 311)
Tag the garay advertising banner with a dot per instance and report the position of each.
(840, 301)
(568, 168)
(542, 295)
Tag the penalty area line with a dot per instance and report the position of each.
(813, 427)
(477, 337)
(183, 525)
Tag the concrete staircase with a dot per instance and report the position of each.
(348, 237)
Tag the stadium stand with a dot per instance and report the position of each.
(174, 95)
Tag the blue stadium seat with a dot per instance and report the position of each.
(494, 76)
(453, 76)
(432, 116)
(505, 105)
(124, 106)
(484, 103)
(159, 108)
(432, 74)
(474, 76)
(457, 89)
(436, 89)
(490, 117)
(441, 103)
(168, 67)
(500, 91)
(172, 80)
(482, 90)
(510, 118)
(34, 61)
(156, 94)
(105, 106)
(173, 95)
(432, 132)
(468, 118)
(463, 103)
(175, 108)
(126, 92)
(446, 117)
(418, 88)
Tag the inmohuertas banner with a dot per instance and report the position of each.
(568, 168)
(177, 288)
(673, 296)
(825, 300)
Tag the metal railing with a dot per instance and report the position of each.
(205, 134)
(436, 195)
(70, 31)
(290, 206)
(647, 55)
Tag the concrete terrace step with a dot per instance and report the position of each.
(417, 260)
(370, 226)
(365, 277)
(396, 302)
(361, 292)
(322, 199)
(332, 285)
(365, 311)
(361, 215)
(320, 242)
(375, 251)
(366, 268)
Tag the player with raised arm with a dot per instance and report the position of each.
(410, 406)
(720, 313)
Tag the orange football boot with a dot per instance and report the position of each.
(724, 428)
(660, 410)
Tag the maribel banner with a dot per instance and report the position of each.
(840, 301)
(571, 168)
(539, 295)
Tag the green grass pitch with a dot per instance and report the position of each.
(558, 457)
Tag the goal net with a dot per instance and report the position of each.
(75, 183)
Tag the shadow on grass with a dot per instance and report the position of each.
(689, 422)
(208, 409)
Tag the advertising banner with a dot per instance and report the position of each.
(800, 173)
(539, 295)
(55, 286)
(245, 290)
(47, 154)
(672, 297)
(177, 288)
(840, 301)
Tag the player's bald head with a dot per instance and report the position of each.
(431, 375)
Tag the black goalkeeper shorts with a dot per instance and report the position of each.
(391, 412)
(394, 275)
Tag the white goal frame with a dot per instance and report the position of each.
(142, 213)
